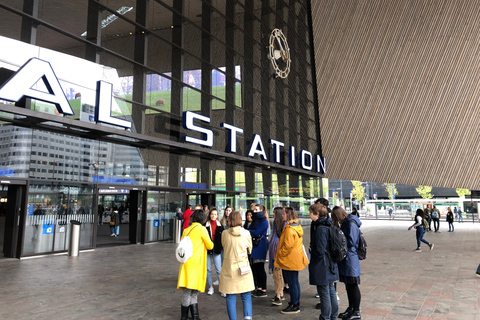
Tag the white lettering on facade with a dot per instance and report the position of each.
(306, 158)
(188, 118)
(232, 136)
(21, 83)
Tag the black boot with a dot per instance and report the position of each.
(346, 313)
(185, 313)
(194, 311)
(354, 316)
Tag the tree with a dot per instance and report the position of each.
(463, 192)
(424, 192)
(358, 190)
(389, 187)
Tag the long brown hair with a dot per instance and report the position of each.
(278, 220)
(338, 215)
(291, 213)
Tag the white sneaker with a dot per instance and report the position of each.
(210, 291)
(215, 283)
(223, 295)
(338, 298)
(113, 235)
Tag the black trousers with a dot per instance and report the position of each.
(354, 296)
(259, 275)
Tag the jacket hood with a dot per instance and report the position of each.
(324, 221)
(351, 217)
(296, 226)
(235, 231)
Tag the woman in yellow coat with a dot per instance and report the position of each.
(291, 258)
(193, 273)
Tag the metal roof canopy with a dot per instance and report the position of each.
(43, 121)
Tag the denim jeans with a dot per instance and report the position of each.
(232, 305)
(217, 261)
(451, 227)
(115, 230)
(328, 302)
(291, 277)
(420, 233)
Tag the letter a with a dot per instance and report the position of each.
(21, 83)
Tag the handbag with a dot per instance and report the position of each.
(256, 240)
(112, 223)
(241, 270)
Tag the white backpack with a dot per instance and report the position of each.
(185, 249)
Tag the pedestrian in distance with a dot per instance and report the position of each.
(277, 229)
(237, 244)
(322, 271)
(291, 257)
(258, 229)
(436, 219)
(450, 218)
(418, 225)
(460, 215)
(349, 268)
(355, 212)
(226, 213)
(192, 275)
(115, 223)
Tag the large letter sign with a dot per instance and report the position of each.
(21, 83)
(103, 108)
(188, 118)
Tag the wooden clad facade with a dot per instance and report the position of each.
(399, 90)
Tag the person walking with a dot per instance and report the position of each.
(214, 256)
(460, 215)
(420, 230)
(114, 224)
(349, 268)
(193, 273)
(291, 257)
(237, 243)
(322, 271)
(450, 219)
(277, 229)
(258, 229)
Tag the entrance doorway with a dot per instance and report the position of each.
(12, 203)
(126, 206)
(205, 199)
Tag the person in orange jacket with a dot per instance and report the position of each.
(291, 257)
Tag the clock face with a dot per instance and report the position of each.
(279, 53)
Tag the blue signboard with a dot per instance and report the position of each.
(155, 223)
(48, 227)
(30, 209)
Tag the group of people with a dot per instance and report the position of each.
(238, 251)
(434, 215)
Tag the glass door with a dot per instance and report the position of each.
(160, 214)
(49, 212)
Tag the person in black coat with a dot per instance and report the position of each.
(322, 271)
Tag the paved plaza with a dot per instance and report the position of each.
(139, 281)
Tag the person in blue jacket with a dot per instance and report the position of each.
(258, 228)
(322, 271)
(349, 268)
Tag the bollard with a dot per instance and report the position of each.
(177, 230)
(73, 249)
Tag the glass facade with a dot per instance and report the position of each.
(162, 58)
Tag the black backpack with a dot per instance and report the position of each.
(362, 245)
(338, 244)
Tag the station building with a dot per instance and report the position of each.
(152, 105)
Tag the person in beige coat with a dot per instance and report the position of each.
(237, 244)
(192, 275)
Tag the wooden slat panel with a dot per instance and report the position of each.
(399, 90)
